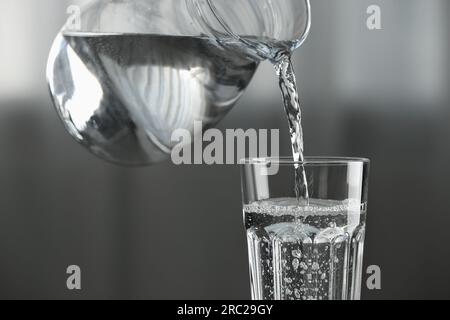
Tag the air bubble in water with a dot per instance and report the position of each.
(295, 264)
(297, 254)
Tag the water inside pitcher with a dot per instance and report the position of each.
(126, 74)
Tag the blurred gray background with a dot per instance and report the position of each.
(176, 232)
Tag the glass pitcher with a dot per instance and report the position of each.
(126, 74)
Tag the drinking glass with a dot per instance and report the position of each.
(305, 249)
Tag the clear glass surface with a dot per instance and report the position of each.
(126, 74)
(265, 29)
(305, 249)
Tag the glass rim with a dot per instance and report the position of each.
(321, 160)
